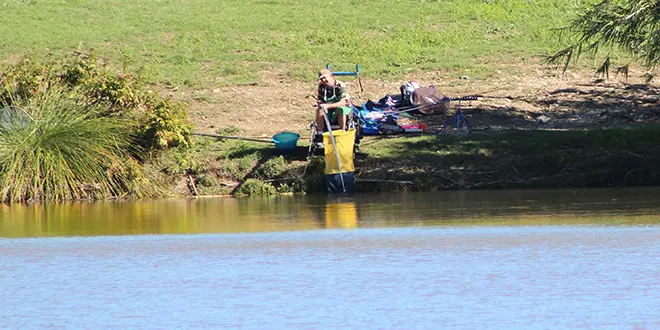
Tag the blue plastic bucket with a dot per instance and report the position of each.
(285, 141)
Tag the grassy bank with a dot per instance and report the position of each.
(510, 159)
(520, 159)
(234, 167)
(210, 43)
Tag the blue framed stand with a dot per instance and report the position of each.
(345, 73)
(458, 118)
(355, 73)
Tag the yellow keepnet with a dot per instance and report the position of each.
(345, 141)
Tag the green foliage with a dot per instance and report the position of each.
(254, 187)
(23, 80)
(165, 123)
(272, 168)
(162, 123)
(78, 69)
(237, 168)
(56, 148)
(118, 91)
(178, 161)
(87, 75)
(80, 129)
(628, 25)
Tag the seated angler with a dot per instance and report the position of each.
(333, 98)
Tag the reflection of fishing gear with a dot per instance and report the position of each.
(445, 100)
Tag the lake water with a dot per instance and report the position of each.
(531, 259)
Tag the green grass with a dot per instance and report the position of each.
(482, 160)
(212, 42)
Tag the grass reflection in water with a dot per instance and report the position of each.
(229, 215)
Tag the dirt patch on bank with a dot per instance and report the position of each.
(529, 98)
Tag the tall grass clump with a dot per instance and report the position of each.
(55, 148)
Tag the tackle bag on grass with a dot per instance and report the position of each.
(430, 101)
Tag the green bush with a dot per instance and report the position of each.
(161, 123)
(164, 123)
(272, 168)
(23, 80)
(254, 187)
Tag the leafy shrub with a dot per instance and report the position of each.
(254, 187)
(272, 168)
(162, 123)
(178, 161)
(78, 69)
(23, 80)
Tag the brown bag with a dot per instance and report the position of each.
(430, 101)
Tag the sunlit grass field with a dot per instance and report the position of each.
(215, 42)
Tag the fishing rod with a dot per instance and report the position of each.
(232, 137)
(465, 98)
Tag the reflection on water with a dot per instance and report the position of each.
(341, 213)
(227, 215)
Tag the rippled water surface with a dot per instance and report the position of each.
(468, 260)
